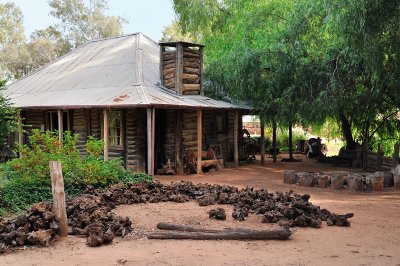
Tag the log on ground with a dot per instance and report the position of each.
(276, 232)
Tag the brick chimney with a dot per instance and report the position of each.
(181, 67)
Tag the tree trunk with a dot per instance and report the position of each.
(274, 140)
(346, 129)
(290, 143)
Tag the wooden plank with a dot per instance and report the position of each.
(379, 157)
(169, 71)
(57, 188)
(190, 70)
(190, 50)
(20, 129)
(105, 134)
(191, 55)
(236, 139)
(262, 148)
(179, 68)
(201, 71)
(169, 62)
(199, 140)
(60, 127)
(178, 142)
(153, 138)
(190, 87)
(149, 144)
(191, 64)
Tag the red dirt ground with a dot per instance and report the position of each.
(372, 239)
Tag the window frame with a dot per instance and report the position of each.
(121, 129)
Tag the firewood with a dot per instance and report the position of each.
(189, 70)
(190, 54)
(168, 62)
(191, 64)
(191, 50)
(191, 87)
(277, 232)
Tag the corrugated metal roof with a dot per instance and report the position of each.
(115, 72)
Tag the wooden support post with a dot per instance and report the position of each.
(57, 188)
(178, 142)
(179, 68)
(262, 148)
(274, 153)
(153, 142)
(236, 138)
(199, 140)
(201, 71)
(379, 157)
(149, 144)
(60, 127)
(105, 133)
(396, 155)
(20, 129)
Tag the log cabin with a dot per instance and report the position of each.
(144, 99)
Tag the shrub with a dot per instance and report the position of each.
(26, 180)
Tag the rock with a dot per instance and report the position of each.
(240, 214)
(355, 182)
(3, 248)
(339, 220)
(218, 214)
(376, 182)
(41, 237)
(205, 201)
(324, 181)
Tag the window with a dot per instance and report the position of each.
(114, 128)
(221, 123)
(52, 121)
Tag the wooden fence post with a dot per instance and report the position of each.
(57, 188)
(396, 155)
(379, 157)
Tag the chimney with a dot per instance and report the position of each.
(181, 67)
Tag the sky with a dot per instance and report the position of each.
(146, 16)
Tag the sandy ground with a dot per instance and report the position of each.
(372, 239)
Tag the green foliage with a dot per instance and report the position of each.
(30, 174)
(7, 116)
(304, 62)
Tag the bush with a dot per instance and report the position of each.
(26, 180)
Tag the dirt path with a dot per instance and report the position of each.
(372, 239)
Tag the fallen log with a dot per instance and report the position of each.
(184, 228)
(275, 232)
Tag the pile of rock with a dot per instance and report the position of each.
(342, 179)
(36, 227)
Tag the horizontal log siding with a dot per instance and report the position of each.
(80, 127)
(169, 142)
(135, 139)
(189, 129)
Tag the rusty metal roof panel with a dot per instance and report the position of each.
(115, 72)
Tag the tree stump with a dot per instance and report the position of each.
(306, 178)
(323, 181)
(396, 182)
(337, 181)
(355, 182)
(387, 178)
(289, 177)
(377, 182)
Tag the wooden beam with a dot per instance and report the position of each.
(199, 140)
(178, 142)
(262, 148)
(201, 71)
(179, 68)
(153, 142)
(149, 144)
(57, 187)
(236, 138)
(105, 134)
(60, 127)
(20, 129)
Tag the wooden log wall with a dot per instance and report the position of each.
(95, 123)
(169, 142)
(79, 126)
(373, 162)
(34, 119)
(135, 139)
(189, 131)
(181, 69)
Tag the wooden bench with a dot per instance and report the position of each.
(208, 159)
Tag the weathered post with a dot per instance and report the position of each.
(105, 133)
(379, 157)
(262, 148)
(57, 188)
(60, 127)
(236, 138)
(178, 142)
(199, 140)
(149, 140)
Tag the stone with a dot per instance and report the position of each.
(289, 177)
(306, 179)
(40, 237)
